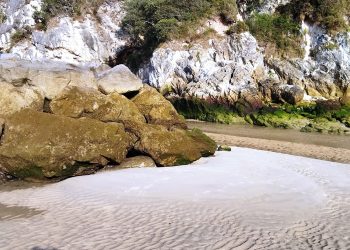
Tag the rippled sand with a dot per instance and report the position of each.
(245, 199)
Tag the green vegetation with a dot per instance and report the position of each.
(327, 13)
(74, 8)
(201, 110)
(152, 22)
(2, 17)
(325, 117)
(238, 28)
(20, 35)
(278, 30)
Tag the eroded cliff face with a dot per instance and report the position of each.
(226, 65)
(89, 39)
(219, 65)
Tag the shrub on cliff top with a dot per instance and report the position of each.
(73, 8)
(151, 22)
(327, 13)
(280, 30)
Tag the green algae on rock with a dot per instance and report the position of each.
(323, 125)
(39, 145)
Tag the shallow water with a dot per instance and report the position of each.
(289, 135)
(244, 199)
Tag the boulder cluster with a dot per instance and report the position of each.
(58, 121)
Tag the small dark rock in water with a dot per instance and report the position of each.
(224, 148)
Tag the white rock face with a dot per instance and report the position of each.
(91, 40)
(224, 65)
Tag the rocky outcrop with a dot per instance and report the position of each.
(223, 65)
(207, 67)
(81, 130)
(90, 40)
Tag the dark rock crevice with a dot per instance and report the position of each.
(2, 131)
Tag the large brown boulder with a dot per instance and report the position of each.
(174, 147)
(78, 102)
(39, 145)
(157, 109)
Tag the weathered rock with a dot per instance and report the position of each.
(39, 145)
(157, 109)
(85, 102)
(327, 105)
(91, 39)
(345, 100)
(13, 99)
(171, 148)
(217, 66)
(137, 162)
(50, 77)
(118, 79)
(291, 94)
(248, 102)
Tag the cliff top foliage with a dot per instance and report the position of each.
(52, 8)
(155, 21)
(328, 13)
(278, 30)
(151, 22)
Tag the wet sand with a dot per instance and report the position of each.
(318, 146)
(244, 199)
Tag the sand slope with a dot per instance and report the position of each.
(245, 199)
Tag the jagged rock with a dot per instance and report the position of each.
(78, 102)
(222, 65)
(118, 79)
(39, 145)
(157, 109)
(91, 39)
(13, 99)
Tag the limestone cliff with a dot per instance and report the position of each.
(221, 64)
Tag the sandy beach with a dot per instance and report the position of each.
(244, 199)
(318, 146)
